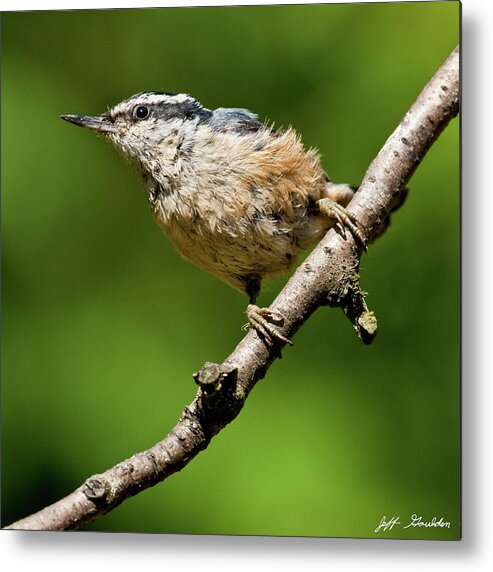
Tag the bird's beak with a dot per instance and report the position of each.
(100, 124)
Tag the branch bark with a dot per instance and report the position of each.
(329, 276)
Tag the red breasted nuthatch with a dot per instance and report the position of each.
(236, 197)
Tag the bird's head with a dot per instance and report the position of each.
(147, 127)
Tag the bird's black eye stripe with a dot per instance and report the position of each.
(141, 112)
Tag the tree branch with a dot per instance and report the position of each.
(329, 276)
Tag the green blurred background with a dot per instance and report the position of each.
(103, 323)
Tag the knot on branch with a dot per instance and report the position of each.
(217, 401)
(351, 299)
(98, 489)
(213, 377)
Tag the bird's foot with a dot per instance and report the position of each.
(265, 322)
(342, 217)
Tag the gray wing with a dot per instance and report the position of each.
(235, 119)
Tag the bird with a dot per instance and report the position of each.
(236, 196)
